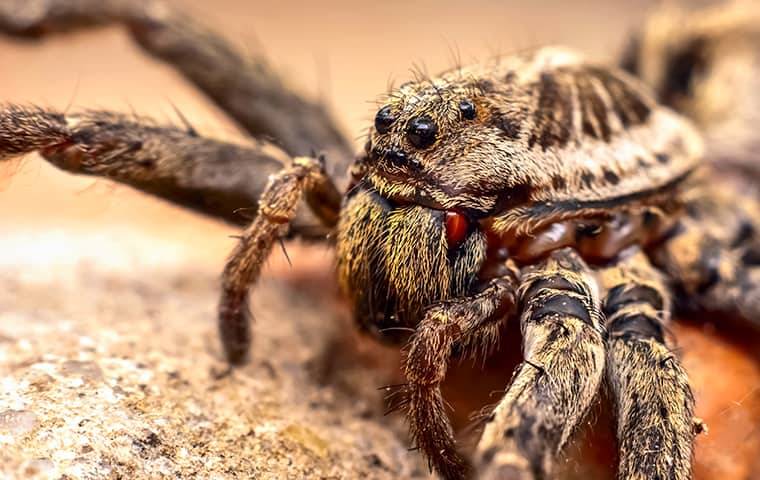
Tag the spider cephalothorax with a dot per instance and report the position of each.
(540, 186)
(531, 153)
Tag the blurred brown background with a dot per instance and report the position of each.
(342, 51)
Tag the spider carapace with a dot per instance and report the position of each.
(539, 187)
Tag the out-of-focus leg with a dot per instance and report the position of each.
(213, 177)
(246, 88)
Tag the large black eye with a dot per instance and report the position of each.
(421, 132)
(384, 119)
(468, 109)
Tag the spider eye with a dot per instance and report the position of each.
(467, 108)
(421, 132)
(384, 119)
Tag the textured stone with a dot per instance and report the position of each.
(118, 374)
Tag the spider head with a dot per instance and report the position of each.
(437, 143)
(410, 232)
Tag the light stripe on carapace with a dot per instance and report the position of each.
(529, 139)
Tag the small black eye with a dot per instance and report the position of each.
(421, 132)
(468, 109)
(384, 119)
(396, 157)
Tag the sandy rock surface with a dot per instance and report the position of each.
(110, 367)
(115, 372)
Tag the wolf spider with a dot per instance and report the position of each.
(540, 186)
